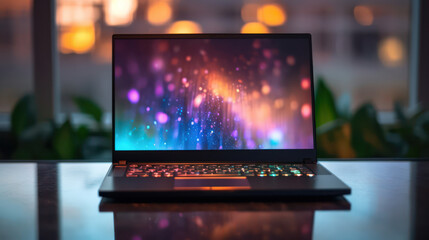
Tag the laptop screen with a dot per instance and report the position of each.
(212, 94)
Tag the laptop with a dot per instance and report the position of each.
(214, 116)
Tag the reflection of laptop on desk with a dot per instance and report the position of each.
(211, 115)
(220, 220)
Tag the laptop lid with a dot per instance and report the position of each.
(213, 98)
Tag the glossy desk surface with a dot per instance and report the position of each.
(389, 200)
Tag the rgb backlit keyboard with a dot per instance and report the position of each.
(218, 170)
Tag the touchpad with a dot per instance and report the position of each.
(211, 183)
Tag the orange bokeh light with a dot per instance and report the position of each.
(306, 110)
(254, 27)
(391, 51)
(272, 15)
(363, 15)
(198, 99)
(184, 27)
(159, 13)
(78, 39)
(266, 89)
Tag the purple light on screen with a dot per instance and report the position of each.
(250, 144)
(157, 64)
(267, 53)
(161, 117)
(135, 237)
(133, 67)
(168, 77)
(171, 87)
(159, 91)
(163, 223)
(133, 96)
(118, 71)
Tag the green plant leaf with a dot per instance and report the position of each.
(367, 136)
(82, 133)
(325, 104)
(90, 108)
(400, 115)
(33, 150)
(23, 115)
(64, 142)
(333, 140)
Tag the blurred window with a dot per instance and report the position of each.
(360, 47)
(15, 52)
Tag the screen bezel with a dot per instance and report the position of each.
(215, 156)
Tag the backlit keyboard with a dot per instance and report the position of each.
(218, 170)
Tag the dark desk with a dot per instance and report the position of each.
(389, 201)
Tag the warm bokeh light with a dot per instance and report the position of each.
(254, 27)
(278, 103)
(249, 12)
(76, 14)
(159, 13)
(305, 83)
(77, 39)
(266, 89)
(363, 15)
(119, 12)
(306, 110)
(184, 27)
(272, 15)
(290, 60)
(198, 99)
(391, 51)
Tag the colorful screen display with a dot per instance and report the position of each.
(211, 94)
